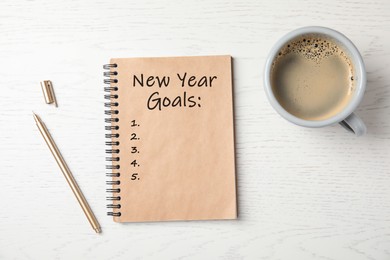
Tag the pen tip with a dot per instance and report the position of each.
(35, 116)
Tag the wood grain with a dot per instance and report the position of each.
(303, 193)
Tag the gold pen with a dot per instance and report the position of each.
(68, 175)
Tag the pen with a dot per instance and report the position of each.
(68, 175)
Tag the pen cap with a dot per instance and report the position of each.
(48, 92)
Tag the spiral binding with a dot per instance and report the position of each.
(111, 126)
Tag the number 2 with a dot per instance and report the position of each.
(134, 136)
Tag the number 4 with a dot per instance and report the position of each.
(134, 163)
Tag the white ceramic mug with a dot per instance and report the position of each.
(346, 117)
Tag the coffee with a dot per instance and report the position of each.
(312, 77)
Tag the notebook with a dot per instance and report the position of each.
(171, 138)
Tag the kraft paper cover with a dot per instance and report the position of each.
(176, 163)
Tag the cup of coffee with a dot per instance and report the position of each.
(315, 77)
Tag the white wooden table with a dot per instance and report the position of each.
(303, 193)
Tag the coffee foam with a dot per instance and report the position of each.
(314, 48)
(307, 74)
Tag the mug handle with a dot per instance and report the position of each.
(354, 124)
